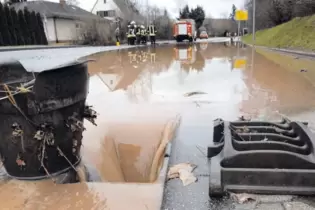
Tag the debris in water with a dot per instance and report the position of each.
(242, 118)
(184, 172)
(74, 123)
(17, 130)
(90, 114)
(45, 133)
(194, 93)
(19, 161)
(243, 197)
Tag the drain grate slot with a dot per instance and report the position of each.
(262, 157)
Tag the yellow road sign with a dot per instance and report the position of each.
(241, 15)
(239, 63)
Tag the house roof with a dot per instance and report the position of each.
(128, 9)
(52, 9)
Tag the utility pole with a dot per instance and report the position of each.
(147, 4)
(238, 28)
(254, 21)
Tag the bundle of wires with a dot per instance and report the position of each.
(23, 88)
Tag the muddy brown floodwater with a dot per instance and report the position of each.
(137, 91)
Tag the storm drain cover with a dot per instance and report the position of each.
(262, 157)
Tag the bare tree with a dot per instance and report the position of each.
(275, 12)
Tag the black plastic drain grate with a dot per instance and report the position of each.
(262, 157)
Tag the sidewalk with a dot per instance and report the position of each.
(35, 47)
(41, 59)
(296, 52)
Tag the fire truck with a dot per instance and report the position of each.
(185, 54)
(185, 29)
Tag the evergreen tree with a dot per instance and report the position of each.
(4, 27)
(29, 28)
(10, 2)
(11, 32)
(36, 35)
(198, 14)
(23, 28)
(184, 13)
(232, 15)
(41, 31)
(1, 24)
(17, 28)
(1, 40)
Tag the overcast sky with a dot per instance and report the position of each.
(215, 8)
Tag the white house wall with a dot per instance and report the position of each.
(66, 30)
(50, 29)
(109, 5)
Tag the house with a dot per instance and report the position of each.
(116, 10)
(62, 22)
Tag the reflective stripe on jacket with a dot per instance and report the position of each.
(131, 33)
(143, 32)
(138, 31)
(151, 30)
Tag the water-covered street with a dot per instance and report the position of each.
(137, 91)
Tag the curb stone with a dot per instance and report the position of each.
(297, 205)
(265, 206)
(296, 52)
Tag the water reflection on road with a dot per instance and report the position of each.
(137, 91)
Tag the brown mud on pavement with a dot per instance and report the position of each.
(94, 196)
(136, 92)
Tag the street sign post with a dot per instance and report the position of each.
(254, 21)
(241, 15)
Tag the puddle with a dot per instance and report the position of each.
(137, 91)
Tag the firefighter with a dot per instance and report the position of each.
(117, 33)
(138, 34)
(131, 33)
(152, 33)
(143, 35)
(128, 34)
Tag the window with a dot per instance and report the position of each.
(101, 13)
(110, 13)
(78, 25)
(104, 1)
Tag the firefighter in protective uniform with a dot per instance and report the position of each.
(138, 34)
(143, 35)
(131, 36)
(152, 33)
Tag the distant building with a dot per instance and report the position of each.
(62, 22)
(217, 27)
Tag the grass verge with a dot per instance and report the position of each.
(298, 34)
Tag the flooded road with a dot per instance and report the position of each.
(137, 91)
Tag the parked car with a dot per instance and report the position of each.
(203, 35)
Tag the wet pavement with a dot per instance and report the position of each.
(137, 91)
